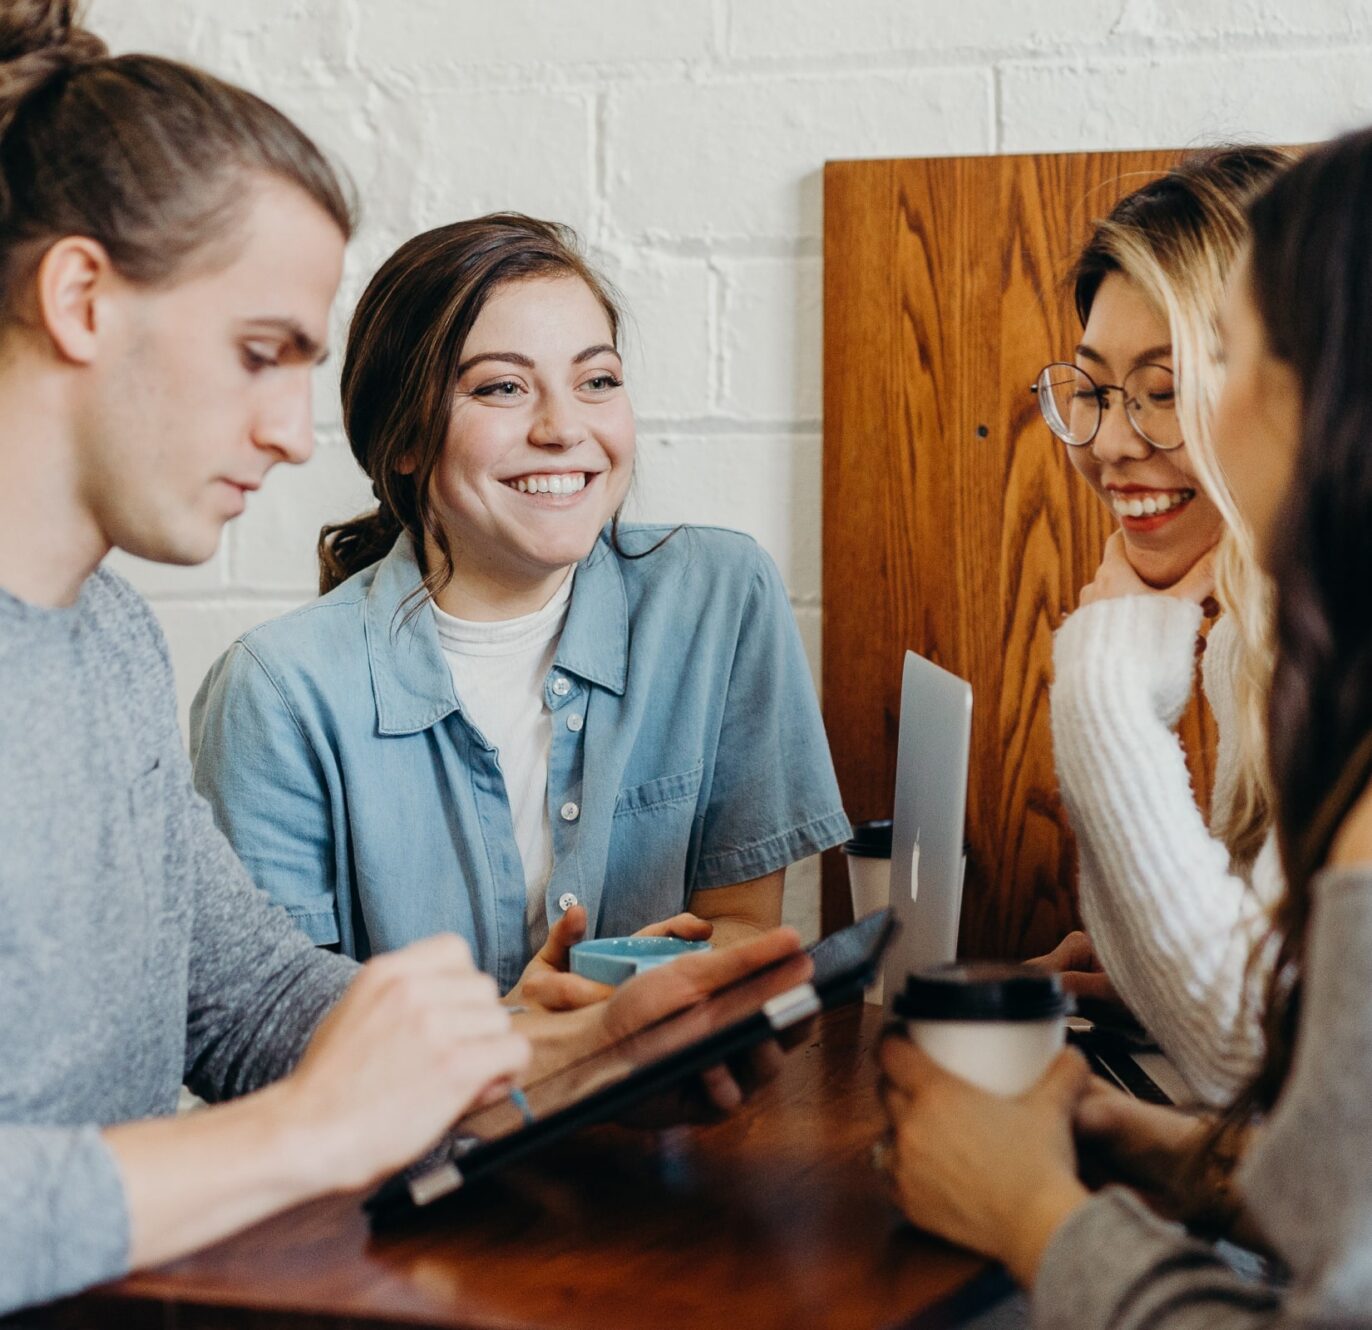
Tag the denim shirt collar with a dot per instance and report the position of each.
(411, 682)
(595, 640)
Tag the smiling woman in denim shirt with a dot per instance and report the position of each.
(512, 716)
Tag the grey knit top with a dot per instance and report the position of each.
(135, 952)
(1307, 1182)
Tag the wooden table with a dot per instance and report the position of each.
(774, 1218)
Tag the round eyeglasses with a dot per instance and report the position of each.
(1073, 403)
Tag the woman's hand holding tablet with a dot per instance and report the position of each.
(559, 1038)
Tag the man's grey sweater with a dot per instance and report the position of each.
(135, 952)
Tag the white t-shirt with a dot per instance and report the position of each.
(499, 670)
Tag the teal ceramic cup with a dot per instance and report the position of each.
(612, 960)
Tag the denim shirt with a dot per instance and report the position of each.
(687, 753)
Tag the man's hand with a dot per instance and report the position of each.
(416, 1040)
(547, 981)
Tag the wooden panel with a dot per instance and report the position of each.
(953, 523)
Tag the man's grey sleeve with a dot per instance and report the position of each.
(63, 1220)
(258, 985)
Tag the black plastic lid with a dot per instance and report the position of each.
(982, 991)
(871, 840)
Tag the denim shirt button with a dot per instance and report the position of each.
(566, 901)
(570, 812)
(574, 722)
(562, 686)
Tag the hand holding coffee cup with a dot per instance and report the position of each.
(996, 1025)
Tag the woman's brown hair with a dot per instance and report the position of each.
(147, 156)
(400, 371)
(1310, 276)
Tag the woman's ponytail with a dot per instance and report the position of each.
(348, 547)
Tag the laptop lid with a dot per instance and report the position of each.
(927, 826)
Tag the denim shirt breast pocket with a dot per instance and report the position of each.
(652, 838)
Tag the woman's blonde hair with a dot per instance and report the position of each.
(1177, 239)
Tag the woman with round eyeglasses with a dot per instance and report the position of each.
(1173, 905)
(1074, 404)
(1119, 434)
(1286, 1168)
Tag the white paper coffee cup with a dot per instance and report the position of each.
(869, 876)
(998, 1026)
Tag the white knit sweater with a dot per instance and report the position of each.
(1172, 925)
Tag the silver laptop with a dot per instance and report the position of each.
(927, 865)
(927, 823)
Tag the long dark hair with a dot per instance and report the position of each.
(400, 369)
(145, 155)
(1311, 281)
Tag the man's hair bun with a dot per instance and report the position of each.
(39, 40)
(45, 28)
(146, 156)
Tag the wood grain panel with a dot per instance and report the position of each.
(953, 523)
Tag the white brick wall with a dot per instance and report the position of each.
(685, 140)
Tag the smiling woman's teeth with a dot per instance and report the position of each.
(1148, 505)
(561, 484)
